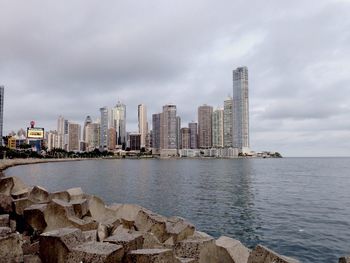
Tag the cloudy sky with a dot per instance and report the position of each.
(72, 57)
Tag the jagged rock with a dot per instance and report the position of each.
(5, 204)
(147, 221)
(200, 247)
(99, 211)
(126, 211)
(13, 225)
(34, 216)
(80, 207)
(96, 252)
(151, 256)
(31, 259)
(39, 195)
(5, 231)
(344, 259)
(63, 196)
(55, 245)
(57, 213)
(21, 193)
(102, 232)
(83, 225)
(231, 250)
(179, 229)
(75, 193)
(90, 235)
(129, 241)
(4, 220)
(9, 185)
(11, 248)
(21, 204)
(129, 224)
(262, 254)
(151, 241)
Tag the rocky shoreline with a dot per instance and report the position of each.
(73, 226)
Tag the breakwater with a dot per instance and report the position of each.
(73, 226)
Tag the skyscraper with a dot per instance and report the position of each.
(88, 120)
(168, 127)
(193, 135)
(92, 136)
(178, 132)
(204, 126)
(228, 119)
(74, 131)
(104, 128)
(1, 113)
(217, 128)
(185, 138)
(118, 121)
(143, 124)
(240, 110)
(156, 132)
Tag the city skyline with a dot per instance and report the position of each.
(159, 54)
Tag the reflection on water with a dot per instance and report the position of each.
(298, 207)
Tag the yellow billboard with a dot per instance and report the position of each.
(35, 133)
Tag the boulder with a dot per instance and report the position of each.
(344, 259)
(39, 195)
(99, 211)
(80, 207)
(129, 241)
(151, 256)
(102, 232)
(11, 248)
(179, 229)
(30, 248)
(75, 193)
(21, 204)
(31, 259)
(62, 195)
(200, 247)
(126, 211)
(147, 221)
(185, 260)
(4, 231)
(55, 245)
(4, 220)
(9, 185)
(90, 235)
(262, 254)
(231, 251)
(5, 204)
(83, 225)
(34, 216)
(96, 252)
(151, 241)
(57, 213)
(21, 193)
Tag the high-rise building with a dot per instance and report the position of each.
(112, 138)
(92, 136)
(74, 133)
(118, 121)
(156, 132)
(1, 113)
(143, 124)
(134, 141)
(204, 126)
(193, 126)
(185, 138)
(178, 132)
(168, 127)
(218, 128)
(228, 122)
(62, 133)
(104, 128)
(240, 110)
(51, 140)
(88, 120)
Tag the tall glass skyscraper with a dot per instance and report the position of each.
(240, 110)
(1, 113)
(104, 128)
(118, 121)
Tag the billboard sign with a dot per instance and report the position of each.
(35, 133)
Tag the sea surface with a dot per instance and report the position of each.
(299, 207)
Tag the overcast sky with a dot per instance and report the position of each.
(72, 57)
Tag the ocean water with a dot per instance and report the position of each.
(299, 207)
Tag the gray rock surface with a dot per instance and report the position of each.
(151, 256)
(262, 254)
(231, 251)
(11, 248)
(129, 241)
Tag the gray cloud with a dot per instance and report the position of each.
(70, 58)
